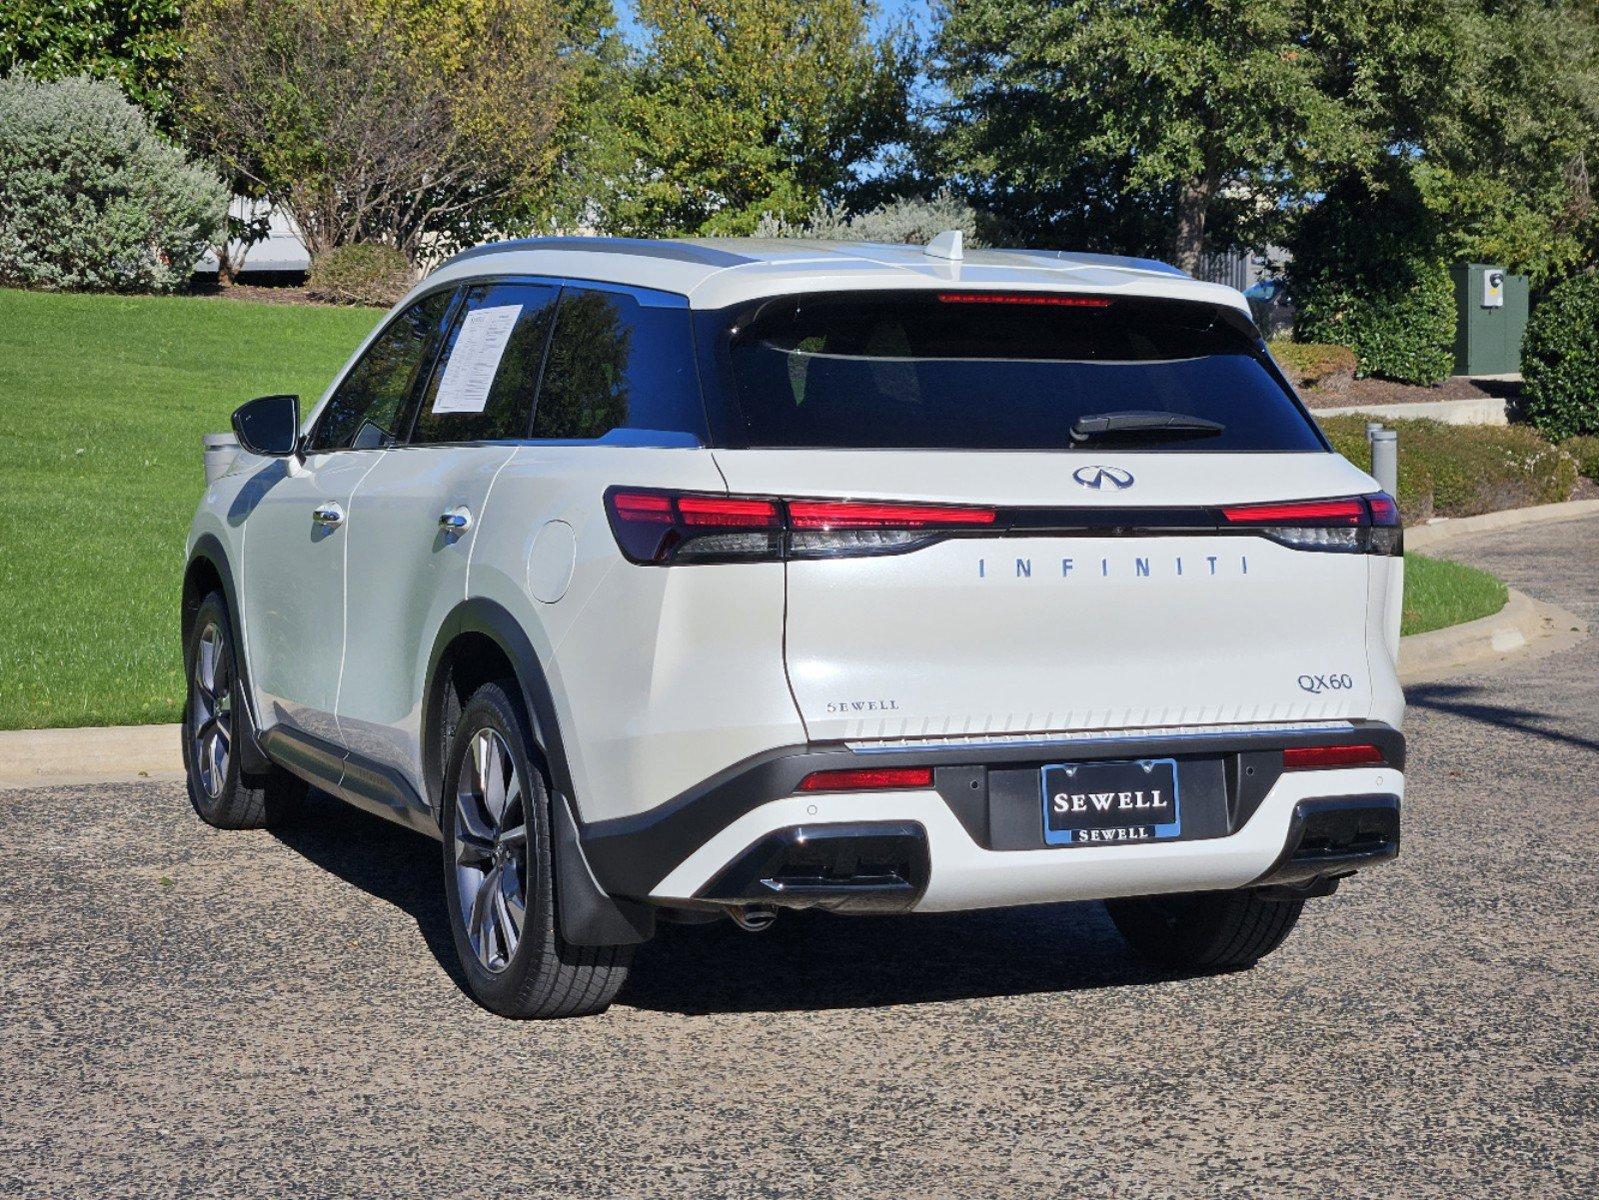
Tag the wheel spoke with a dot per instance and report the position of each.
(504, 926)
(512, 903)
(513, 836)
(469, 816)
(470, 849)
(482, 918)
(494, 782)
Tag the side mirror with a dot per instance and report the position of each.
(269, 425)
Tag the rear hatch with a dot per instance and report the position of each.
(1067, 576)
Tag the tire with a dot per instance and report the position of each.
(498, 861)
(1205, 930)
(213, 716)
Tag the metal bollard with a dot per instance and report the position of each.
(1385, 459)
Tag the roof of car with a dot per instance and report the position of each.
(716, 272)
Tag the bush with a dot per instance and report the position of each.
(1403, 331)
(1585, 453)
(361, 273)
(1560, 359)
(1369, 273)
(1463, 470)
(91, 198)
(1315, 364)
(904, 221)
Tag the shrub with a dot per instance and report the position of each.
(1560, 359)
(1462, 470)
(1584, 451)
(903, 221)
(361, 273)
(91, 197)
(1315, 364)
(1369, 273)
(1403, 330)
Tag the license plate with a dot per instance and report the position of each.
(1111, 803)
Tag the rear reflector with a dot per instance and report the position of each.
(872, 780)
(1021, 298)
(1321, 758)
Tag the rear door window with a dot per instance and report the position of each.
(992, 371)
(483, 386)
(619, 362)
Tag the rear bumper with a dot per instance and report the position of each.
(749, 836)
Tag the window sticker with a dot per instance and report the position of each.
(475, 358)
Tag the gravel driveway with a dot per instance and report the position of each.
(201, 1013)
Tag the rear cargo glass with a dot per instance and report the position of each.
(930, 370)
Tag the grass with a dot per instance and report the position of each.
(103, 400)
(1440, 593)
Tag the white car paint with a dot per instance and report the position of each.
(663, 678)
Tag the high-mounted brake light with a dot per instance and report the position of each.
(660, 528)
(1024, 298)
(1321, 758)
(872, 780)
(1352, 524)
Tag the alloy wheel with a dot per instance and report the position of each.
(211, 711)
(490, 843)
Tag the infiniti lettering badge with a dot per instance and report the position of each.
(1097, 477)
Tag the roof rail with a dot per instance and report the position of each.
(706, 256)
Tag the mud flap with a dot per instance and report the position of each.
(587, 916)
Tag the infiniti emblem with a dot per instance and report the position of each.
(1097, 477)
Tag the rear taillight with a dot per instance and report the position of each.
(667, 527)
(1323, 758)
(876, 779)
(1351, 524)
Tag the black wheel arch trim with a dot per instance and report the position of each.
(208, 549)
(589, 915)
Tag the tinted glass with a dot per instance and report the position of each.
(482, 389)
(957, 371)
(367, 410)
(617, 364)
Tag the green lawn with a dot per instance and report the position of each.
(1440, 593)
(102, 403)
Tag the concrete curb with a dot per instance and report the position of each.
(115, 754)
(1523, 630)
(1441, 530)
(1478, 410)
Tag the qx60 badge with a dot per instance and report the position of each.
(1096, 477)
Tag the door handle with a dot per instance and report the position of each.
(457, 520)
(329, 516)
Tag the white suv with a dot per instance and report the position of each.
(668, 580)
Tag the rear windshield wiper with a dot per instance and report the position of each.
(1135, 423)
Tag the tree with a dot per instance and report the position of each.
(1137, 127)
(420, 123)
(739, 108)
(134, 43)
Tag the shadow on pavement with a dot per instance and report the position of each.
(383, 860)
(804, 961)
(1456, 700)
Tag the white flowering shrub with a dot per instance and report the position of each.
(91, 197)
(909, 221)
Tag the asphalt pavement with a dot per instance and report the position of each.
(197, 1013)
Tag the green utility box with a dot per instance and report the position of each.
(1490, 317)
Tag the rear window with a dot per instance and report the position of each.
(975, 371)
